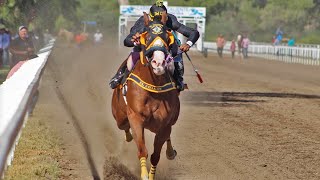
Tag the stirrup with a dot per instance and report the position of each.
(180, 86)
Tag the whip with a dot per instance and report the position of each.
(195, 70)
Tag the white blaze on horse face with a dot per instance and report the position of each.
(158, 62)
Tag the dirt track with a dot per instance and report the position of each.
(252, 119)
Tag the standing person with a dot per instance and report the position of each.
(291, 43)
(273, 40)
(245, 46)
(233, 48)
(6, 40)
(279, 36)
(132, 40)
(2, 28)
(80, 39)
(22, 47)
(220, 44)
(4, 45)
(98, 37)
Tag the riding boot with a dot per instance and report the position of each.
(178, 75)
(116, 79)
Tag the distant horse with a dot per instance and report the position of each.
(151, 100)
(66, 35)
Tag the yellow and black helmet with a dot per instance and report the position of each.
(157, 9)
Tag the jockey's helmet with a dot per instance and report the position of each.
(156, 11)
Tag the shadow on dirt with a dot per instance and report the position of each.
(117, 171)
(205, 99)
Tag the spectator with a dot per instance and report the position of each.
(2, 31)
(239, 42)
(4, 45)
(245, 46)
(233, 48)
(22, 47)
(220, 44)
(7, 41)
(79, 39)
(291, 42)
(273, 39)
(98, 37)
(278, 40)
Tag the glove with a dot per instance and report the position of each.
(136, 39)
(185, 47)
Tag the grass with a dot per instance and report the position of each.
(3, 74)
(37, 154)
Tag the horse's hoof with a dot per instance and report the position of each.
(129, 137)
(145, 178)
(172, 155)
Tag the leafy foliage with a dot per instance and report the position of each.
(37, 13)
(105, 13)
(257, 18)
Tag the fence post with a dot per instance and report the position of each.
(318, 54)
(205, 52)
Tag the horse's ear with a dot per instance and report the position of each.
(146, 19)
(164, 18)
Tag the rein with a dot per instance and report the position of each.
(156, 39)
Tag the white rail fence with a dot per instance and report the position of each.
(16, 98)
(309, 55)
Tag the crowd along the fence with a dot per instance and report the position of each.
(16, 97)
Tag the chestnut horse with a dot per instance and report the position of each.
(151, 101)
(66, 35)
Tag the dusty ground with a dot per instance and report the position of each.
(250, 119)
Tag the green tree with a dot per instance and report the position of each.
(105, 13)
(42, 13)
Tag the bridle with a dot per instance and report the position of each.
(149, 46)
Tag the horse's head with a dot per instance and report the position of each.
(156, 41)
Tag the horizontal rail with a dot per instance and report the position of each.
(303, 55)
(17, 95)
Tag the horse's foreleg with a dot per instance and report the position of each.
(159, 140)
(124, 125)
(138, 136)
(171, 153)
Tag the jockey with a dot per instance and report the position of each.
(132, 40)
